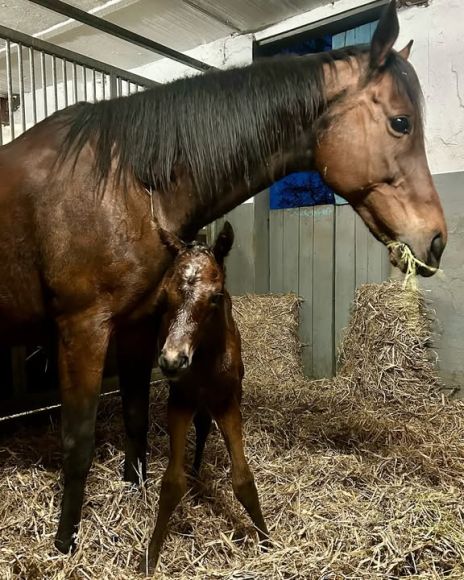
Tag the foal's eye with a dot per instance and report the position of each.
(401, 125)
(215, 299)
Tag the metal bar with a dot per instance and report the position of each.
(64, 70)
(10, 89)
(120, 32)
(113, 86)
(60, 52)
(55, 84)
(119, 87)
(84, 80)
(103, 84)
(94, 85)
(43, 74)
(74, 82)
(33, 95)
(22, 104)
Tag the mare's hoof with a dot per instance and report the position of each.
(265, 544)
(133, 476)
(65, 545)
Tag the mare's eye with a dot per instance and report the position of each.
(401, 125)
(215, 299)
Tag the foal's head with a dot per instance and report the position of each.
(191, 292)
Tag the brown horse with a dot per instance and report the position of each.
(79, 251)
(201, 358)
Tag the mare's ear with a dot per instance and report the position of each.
(223, 242)
(406, 51)
(171, 241)
(384, 38)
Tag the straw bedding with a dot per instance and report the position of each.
(360, 477)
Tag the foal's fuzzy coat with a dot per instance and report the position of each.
(201, 358)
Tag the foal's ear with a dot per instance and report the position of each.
(171, 241)
(385, 36)
(223, 242)
(406, 51)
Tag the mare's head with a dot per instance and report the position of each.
(191, 292)
(370, 149)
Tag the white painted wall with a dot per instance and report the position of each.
(235, 50)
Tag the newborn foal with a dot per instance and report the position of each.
(201, 358)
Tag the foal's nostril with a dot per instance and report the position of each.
(437, 247)
(172, 365)
(183, 361)
(162, 362)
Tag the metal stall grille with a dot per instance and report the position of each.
(38, 78)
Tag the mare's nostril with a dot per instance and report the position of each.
(437, 246)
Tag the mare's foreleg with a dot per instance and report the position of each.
(82, 344)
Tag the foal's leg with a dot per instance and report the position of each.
(82, 344)
(173, 486)
(230, 424)
(135, 354)
(202, 422)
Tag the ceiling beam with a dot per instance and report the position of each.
(118, 31)
(224, 20)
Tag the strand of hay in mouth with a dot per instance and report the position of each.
(360, 477)
(407, 257)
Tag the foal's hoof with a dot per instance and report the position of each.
(65, 545)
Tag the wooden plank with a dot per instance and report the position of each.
(323, 288)
(363, 34)
(261, 242)
(240, 262)
(361, 233)
(374, 260)
(276, 257)
(386, 265)
(345, 270)
(339, 40)
(305, 286)
(291, 227)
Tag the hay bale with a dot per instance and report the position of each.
(385, 351)
(351, 487)
(268, 326)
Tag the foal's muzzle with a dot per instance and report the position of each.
(173, 364)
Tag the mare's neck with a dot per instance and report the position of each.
(181, 209)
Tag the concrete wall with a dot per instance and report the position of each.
(447, 292)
